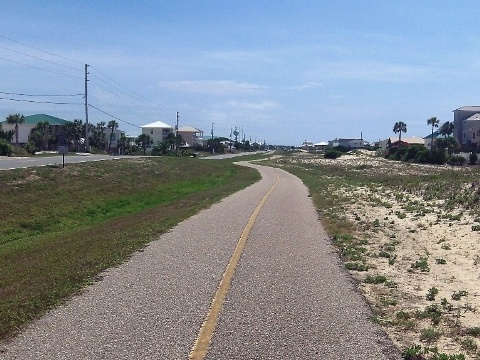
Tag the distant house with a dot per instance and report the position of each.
(465, 119)
(427, 140)
(158, 131)
(348, 143)
(191, 135)
(31, 121)
(405, 142)
(307, 145)
(320, 145)
(357, 144)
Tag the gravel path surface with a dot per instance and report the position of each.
(290, 297)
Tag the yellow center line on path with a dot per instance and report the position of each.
(200, 347)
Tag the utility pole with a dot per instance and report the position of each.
(176, 134)
(213, 149)
(86, 109)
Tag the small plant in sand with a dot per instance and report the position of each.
(377, 279)
(432, 292)
(473, 331)
(421, 264)
(457, 295)
(446, 246)
(416, 352)
(469, 344)
(441, 261)
(432, 312)
(430, 334)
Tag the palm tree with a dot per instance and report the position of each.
(400, 127)
(15, 119)
(41, 134)
(112, 124)
(123, 144)
(6, 134)
(144, 141)
(447, 128)
(434, 122)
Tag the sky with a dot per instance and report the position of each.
(279, 71)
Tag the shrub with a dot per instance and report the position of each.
(377, 279)
(432, 292)
(456, 160)
(473, 159)
(5, 148)
(332, 154)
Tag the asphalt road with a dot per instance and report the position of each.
(289, 296)
(8, 163)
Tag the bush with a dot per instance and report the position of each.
(456, 160)
(473, 158)
(5, 148)
(31, 147)
(332, 154)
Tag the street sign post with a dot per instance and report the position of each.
(62, 147)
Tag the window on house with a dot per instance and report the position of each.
(151, 131)
(473, 135)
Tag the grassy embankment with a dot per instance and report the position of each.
(61, 227)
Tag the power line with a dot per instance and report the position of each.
(106, 113)
(116, 82)
(35, 57)
(46, 52)
(20, 94)
(39, 68)
(40, 102)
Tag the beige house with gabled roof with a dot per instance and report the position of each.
(191, 135)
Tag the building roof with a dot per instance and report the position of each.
(157, 124)
(474, 117)
(189, 128)
(436, 134)
(410, 140)
(468, 108)
(52, 120)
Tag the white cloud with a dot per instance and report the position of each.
(258, 106)
(218, 87)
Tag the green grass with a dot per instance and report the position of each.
(61, 227)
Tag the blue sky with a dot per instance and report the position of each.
(283, 71)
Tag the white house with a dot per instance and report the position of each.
(158, 131)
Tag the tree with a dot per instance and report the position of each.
(6, 135)
(400, 127)
(15, 119)
(450, 144)
(75, 132)
(446, 129)
(124, 144)
(144, 141)
(41, 135)
(98, 136)
(112, 124)
(434, 122)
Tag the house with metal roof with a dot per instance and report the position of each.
(31, 121)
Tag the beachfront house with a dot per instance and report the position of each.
(191, 135)
(158, 131)
(465, 120)
(31, 121)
